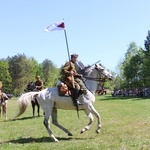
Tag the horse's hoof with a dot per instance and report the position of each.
(56, 140)
(98, 131)
(70, 134)
(81, 131)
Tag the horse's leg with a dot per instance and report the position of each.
(33, 108)
(38, 107)
(47, 124)
(55, 122)
(0, 111)
(5, 111)
(90, 122)
(92, 110)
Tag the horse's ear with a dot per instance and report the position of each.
(96, 65)
(99, 67)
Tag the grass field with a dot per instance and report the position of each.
(125, 126)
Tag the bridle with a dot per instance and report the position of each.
(98, 79)
(94, 79)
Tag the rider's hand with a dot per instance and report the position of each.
(81, 76)
(71, 72)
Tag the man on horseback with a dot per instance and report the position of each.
(39, 83)
(3, 96)
(73, 79)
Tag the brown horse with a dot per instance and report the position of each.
(31, 87)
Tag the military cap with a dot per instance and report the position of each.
(38, 76)
(74, 55)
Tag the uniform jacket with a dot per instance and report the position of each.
(39, 85)
(69, 66)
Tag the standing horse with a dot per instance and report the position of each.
(3, 104)
(31, 87)
(50, 101)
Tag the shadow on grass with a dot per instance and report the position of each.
(20, 119)
(38, 140)
(109, 97)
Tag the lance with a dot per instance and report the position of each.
(69, 60)
(67, 44)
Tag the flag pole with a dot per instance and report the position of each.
(68, 51)
(69, 60)
(67, 44)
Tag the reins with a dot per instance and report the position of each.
(94, 79)
(99, 79)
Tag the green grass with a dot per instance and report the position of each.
(125, 126)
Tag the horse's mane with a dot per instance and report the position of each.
(81, 69)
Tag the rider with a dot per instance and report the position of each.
(73, 79)
(39, 83)
(3, 96)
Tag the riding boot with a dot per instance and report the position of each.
(75, 97)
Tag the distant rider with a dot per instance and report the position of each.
(39, 83)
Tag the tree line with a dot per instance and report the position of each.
(17, 71)
(134, 69)
(132, 72)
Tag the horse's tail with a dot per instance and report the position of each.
(24, 100)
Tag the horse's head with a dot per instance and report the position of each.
(95, 73)
(30, 87)
(104, 72)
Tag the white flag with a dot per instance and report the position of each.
(55, 26)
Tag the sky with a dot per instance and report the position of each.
(96, 29)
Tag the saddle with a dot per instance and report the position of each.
(65, 90)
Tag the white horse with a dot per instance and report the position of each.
(50, 101)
